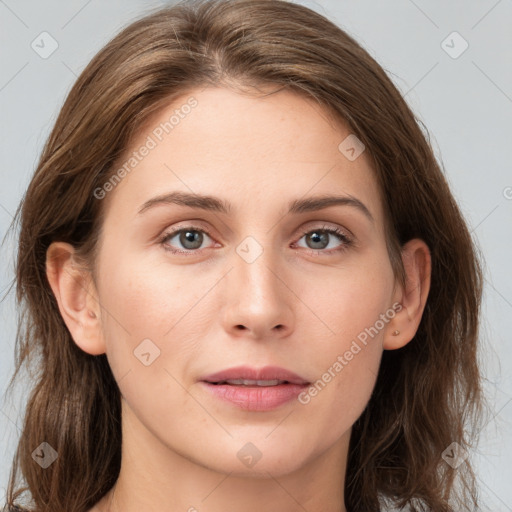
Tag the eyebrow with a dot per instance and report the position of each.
(216, 204)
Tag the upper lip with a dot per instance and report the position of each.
(265, 373)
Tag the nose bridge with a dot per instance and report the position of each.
(256, 266)
(259, 299)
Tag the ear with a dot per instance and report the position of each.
(412, 298)
(76, 296)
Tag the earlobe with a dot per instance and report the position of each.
(76, 297)
(412, 298)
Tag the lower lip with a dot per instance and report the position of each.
(256, 398)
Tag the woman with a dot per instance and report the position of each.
(249, 283)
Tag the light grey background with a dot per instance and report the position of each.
(465, 102)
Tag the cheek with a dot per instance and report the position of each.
(353, 309)
(349, 299)
(148, 297)
(346, 366)
(151, 335)
(139, 303)
(340, 394)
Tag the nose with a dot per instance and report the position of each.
(259, 301)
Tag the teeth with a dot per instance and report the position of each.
(249, 382)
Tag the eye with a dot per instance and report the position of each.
(319, 239)
(191, 238)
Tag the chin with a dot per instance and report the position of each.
(250, 459)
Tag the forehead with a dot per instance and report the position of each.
(251, 149)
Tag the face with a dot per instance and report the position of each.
(188, 290)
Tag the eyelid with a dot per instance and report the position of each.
(321, 225)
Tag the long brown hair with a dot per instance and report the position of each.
(428, 394)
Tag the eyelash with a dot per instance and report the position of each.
(347, 242)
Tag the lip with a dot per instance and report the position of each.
(255, 398)
(247, 372)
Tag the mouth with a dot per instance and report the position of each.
(250, 382)
(248, 376)
(254, 389)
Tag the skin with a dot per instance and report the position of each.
(180, 443)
